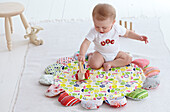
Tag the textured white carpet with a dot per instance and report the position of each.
(64, 38)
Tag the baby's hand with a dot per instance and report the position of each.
(81, 58)
(144, 38)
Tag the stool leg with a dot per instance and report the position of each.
(8, 34)
(11, 26)
(24, 21)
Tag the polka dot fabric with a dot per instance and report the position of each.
(110, 87)
(117, 82)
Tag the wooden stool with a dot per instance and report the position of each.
(7, 10)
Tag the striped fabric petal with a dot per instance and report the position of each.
(67, 100)
(138, 94)
(151, 71)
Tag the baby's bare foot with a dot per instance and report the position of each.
(106, 66)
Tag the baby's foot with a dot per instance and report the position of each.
(106, 66)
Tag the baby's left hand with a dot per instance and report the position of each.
(144, 38)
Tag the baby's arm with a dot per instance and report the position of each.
(133, 35)
(83, 49)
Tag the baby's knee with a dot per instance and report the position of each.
(95, 61)
(94, 65)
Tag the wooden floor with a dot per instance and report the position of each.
(12, 63)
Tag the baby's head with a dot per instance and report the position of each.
(103, 17)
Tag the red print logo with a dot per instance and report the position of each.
(107, 41)
(103, 43)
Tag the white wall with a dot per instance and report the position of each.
(36, 10)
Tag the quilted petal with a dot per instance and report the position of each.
(67, 100)
(117, 102)
(53, 91)
(91, 104)
(142, 63)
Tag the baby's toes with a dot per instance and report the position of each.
(106, 66)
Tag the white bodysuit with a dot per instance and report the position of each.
(108, 43)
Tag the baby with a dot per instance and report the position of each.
(105, 36)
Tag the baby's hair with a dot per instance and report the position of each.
(104, 11)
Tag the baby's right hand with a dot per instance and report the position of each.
(144, 38)
(81, 58)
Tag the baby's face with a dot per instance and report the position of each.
(103, 26)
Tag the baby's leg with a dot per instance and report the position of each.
(95, 60)
(121, 60)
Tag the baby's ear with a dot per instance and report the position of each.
(114, 21)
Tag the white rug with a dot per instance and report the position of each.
(63, 38)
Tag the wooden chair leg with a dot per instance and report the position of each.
(11, 25)
(130, 25)
(120, 22)
(24, 21)
(126, 24)
(8, 34)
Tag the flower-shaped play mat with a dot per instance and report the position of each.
(117, 82)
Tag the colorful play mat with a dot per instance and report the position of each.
(100, 85)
